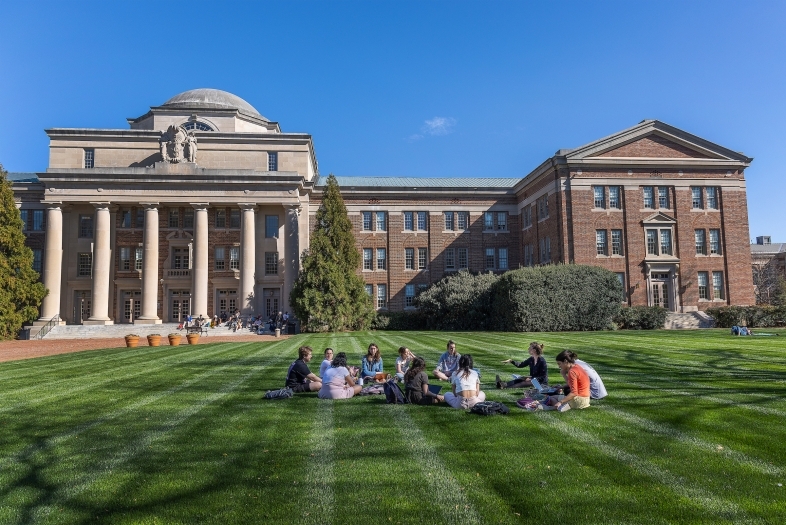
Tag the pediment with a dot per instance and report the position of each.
(659, 218)
(179, 234)
(654, 146)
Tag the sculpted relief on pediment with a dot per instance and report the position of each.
(178, 145)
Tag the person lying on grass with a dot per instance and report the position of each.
(403, 362)
(578, 381)
(596, 387)
(537, 369)
(448, 363)
(416, 382)
(338, 383)
(326, 363)
(372, 363)
(465, 386)
(299, 377)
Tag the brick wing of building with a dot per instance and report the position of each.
(204, 206)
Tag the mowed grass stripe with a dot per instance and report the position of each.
(319, 495)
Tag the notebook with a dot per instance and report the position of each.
(435, 389)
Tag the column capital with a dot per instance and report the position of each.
(52, 205)
(101, 205)
(149, 205)
(199, 205)
(247, 205)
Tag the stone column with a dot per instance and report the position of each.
(149, 314)
(291, 252)
(53, 259)
(102, 259)
(199, 269)
(247, 258)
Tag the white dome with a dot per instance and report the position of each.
(205, 98)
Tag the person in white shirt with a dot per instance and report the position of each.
(327, 362)
(465, 382)
(403, 362)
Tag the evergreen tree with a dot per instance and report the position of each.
(20, 291)
(328, 293)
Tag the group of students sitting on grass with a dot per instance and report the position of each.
(338, 380)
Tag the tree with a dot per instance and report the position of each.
(328, 294)
(20, 292)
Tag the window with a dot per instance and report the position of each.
(488, 221)
(188, 218)
(221, 218)
(271, 263)
(502, 220)
(450, 225)
(366, 220)
(140, 218)
(422, 258)
(409, 296)
(599, 196)
(381, 221)
(234, 218)
(37, 259)
(38, 220)
(502, 258)
(138, 259)
(272, 161)
(125, 218)
(696, 197)
(621, 279)
(382, 296)
(227, 300)
(174, 218)
(381, 258)
(462, 218)
(180, 259)
(408, 221)
(528, 216)
(90, 155)
(614, 197)
(663, 198)
(463, 258)
(529, 255)
(23, 216)
(665, 242)
(652, 242)
(85, 266)
(712, 198)
(271, 226)
(220, 258)
(409, 258)
(701, 242)
(196, 125)
(543, 207)
(490, 258)
(450, 258)
(545, 250)
(616, 242)
(715, 247)
(86, 226)
(702, 283)
(367, 259)
(422, 221)
(234, 258)
(125, 258)
(717, 285)
(370, 290)
(649, 197)
(600, 242)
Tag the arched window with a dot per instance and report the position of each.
(195, 124)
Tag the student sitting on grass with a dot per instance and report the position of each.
(466, 386)
(372, 363)
(597, 388)
(416, 381)
(338, 383)
(299, 377)
(403, 362)
(448, 363)
(326, 363)
(537, 369)
(578, 382)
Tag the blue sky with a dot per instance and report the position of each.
(488, 89)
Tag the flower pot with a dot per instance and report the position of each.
(132, 341)
(154, 340)
(174, 339)
(192, 339)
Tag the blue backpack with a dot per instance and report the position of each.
(393, 394)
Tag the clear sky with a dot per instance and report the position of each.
(484, 89)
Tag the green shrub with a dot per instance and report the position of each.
(641, 317)
(409, 320)
(458, 302)
(556, 298)
(751, 316)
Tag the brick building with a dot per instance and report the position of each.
(204, 205)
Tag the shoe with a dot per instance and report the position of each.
(499, 383)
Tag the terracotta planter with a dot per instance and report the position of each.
(174, 339)
(154, 340)
(192, 339)
(132, 341)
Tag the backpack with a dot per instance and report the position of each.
(393, 394)
(281, 393)
(489, 408)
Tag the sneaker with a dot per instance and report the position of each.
(499, 382)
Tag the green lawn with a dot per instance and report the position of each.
(692, 432)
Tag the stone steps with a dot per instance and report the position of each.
(121, 330)
(688, 321)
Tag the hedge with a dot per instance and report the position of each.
(408, 320)
(458, 302)
(752, 316)
(641, 317)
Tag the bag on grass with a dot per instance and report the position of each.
(281, 393)
(489, 408)
(393, 394)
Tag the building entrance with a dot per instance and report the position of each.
(132, 306)
(82, 306)
(271, 302)
(180, 300)
(662, 291)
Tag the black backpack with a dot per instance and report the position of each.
(393, 394)
(489, 408)
(281, 393)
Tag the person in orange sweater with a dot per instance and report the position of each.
(578, 380)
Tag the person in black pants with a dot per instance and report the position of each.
(537, 369)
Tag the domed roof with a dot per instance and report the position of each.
(205, 98)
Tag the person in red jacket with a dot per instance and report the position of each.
(578, 380)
